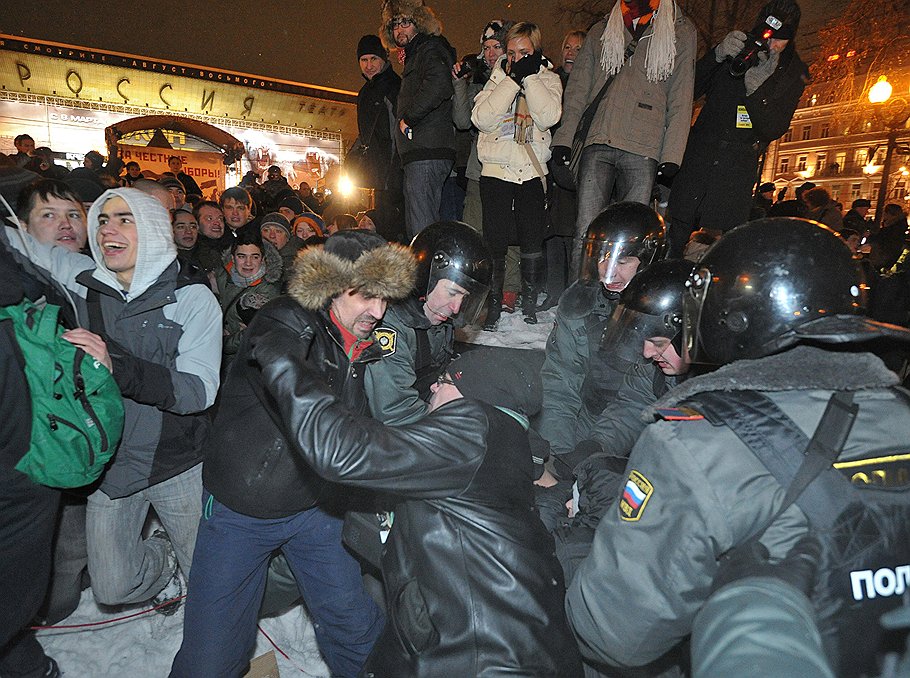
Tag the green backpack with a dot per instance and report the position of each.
(77, 409)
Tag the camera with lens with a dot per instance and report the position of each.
(756, 41)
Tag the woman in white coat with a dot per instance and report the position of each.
(514, 112)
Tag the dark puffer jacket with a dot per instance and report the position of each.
(473, 585)
(425, 100)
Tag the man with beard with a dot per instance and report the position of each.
(425, 137)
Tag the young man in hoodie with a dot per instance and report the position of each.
(424, 135)
(157, 327)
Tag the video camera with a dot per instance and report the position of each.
(756, 41)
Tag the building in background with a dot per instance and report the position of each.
(66, 96)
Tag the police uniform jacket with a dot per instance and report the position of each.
(574, 391)
(693, 491)
(414, 353)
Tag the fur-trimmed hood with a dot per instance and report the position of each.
(386, 272)
(424, 17)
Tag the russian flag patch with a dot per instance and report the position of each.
(635, 495)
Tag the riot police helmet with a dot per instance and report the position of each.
(453, 251)
(621, 236)
(650, 307)
(771, 283)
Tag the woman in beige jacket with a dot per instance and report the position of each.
(515, 110)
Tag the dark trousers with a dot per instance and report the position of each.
(28, 513)
(228, 579)
(513, 214)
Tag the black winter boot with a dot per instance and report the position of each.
(531, 269)
(494, 300)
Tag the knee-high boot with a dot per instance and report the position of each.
(494, 300)
(531, 269)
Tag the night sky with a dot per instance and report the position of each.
(304, 41)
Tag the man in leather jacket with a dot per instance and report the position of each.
(472, 582)
(259, 495)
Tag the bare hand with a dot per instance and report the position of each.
(546, 479)
(402, 126)
(92, 344)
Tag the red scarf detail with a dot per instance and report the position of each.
(353, 345)
(638, 9)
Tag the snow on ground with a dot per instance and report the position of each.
(512, 332)
(145, 646)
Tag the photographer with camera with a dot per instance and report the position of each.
(752, 84)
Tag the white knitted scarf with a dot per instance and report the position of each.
(661, 55)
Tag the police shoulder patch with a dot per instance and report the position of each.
(387, 339)
(635, 495)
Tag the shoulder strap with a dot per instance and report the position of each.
(582, 131)
(793, 459)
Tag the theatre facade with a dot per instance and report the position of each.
(222, 123)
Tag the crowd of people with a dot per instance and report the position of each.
(678, 488)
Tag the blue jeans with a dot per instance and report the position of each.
(605, 173)
(125, 568)
(423, 182)
(228, 580)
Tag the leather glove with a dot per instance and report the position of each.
(665, 173)
(561, 155)
(730, 46)
(799, 568)
(528, 65)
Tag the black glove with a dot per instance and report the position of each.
(528, 65)
(665, 173)
(561, 155)
(799, 568)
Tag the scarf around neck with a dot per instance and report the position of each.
(661, 55)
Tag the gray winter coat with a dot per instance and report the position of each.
(701, 491)
(164, 338)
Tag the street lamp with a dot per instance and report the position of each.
(896, 122)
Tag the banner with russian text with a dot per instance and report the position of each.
(206, 168)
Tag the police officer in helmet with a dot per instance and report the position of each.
(578, 379)
(417, 334)
(778, 305)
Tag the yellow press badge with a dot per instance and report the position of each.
(743, 121)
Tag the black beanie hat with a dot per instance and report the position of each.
(501, 380)
(293, 204)
(371, 44)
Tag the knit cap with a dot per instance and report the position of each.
(276, 219)
(371, 44)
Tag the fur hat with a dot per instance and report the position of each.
(358, 260)
(424, 18)
(500, 380)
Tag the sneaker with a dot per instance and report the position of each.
(170, 598)
(509, 299)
